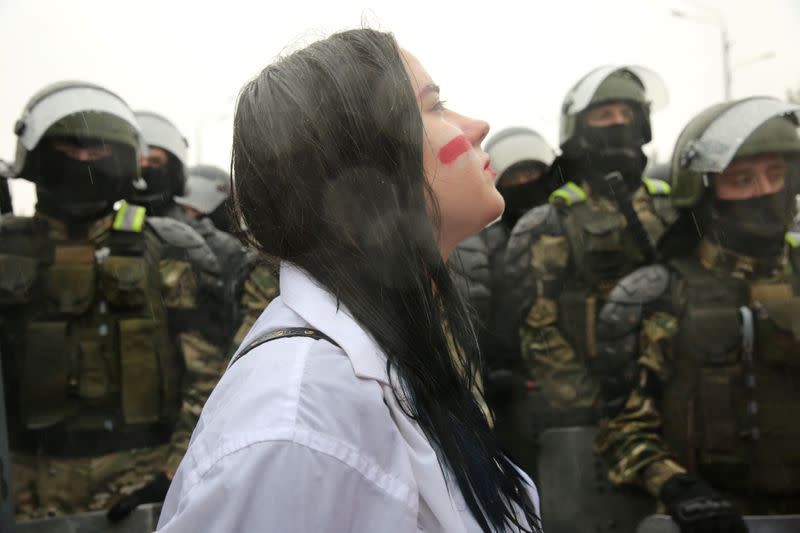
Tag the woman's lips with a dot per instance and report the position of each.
(488, 167)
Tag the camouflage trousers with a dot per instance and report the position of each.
(48, 486)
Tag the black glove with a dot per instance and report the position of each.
(697, 508)
(153, 492)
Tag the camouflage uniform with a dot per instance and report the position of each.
(259, 289)
(565, 261)
(698, 356)
(65, 480)
(105, 364)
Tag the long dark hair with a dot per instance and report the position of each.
(327, 174)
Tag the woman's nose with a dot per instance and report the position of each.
(476, 130)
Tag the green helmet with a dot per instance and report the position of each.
(725, 131)
(160, 132)
(515, 145)
(73, 109)
(635, 84)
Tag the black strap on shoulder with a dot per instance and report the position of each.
(282, 334)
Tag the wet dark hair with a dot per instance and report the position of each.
(327, 174)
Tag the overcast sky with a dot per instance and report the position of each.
(509, 63)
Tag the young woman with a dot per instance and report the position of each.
(352, 174)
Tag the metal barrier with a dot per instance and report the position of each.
(143, 520)
(755, 524)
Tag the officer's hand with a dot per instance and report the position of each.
(153, 492)
(697, 508)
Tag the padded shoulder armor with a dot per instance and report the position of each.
(641, 286)
(618, 327)
(622, 312)
(184, 243)
(26, 236)
(519, 285)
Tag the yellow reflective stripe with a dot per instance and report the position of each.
(792, 239)
(119, 219)
(656, 187)
(570, 193)
(138, 219)
(579, 194)
(129, 218)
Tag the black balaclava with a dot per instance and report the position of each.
(598, 152)
(161, 185)
(72, 190)
(754, 227)
(522, 198)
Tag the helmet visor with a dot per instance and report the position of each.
(582, 94)
(717, 146)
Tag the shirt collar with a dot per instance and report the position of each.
(317, 306)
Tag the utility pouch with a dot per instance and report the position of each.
(94, 372)
(604, 254)
(45, 374)
(70, 283)
(17, 276)
(714, 334)
(718, 410)
(603, 234)
(576, 319)
(778, 331)
(139, 371)
(125, 281)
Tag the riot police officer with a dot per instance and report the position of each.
(700, 356)
(163, 165)
(103, 368)
(562, 258)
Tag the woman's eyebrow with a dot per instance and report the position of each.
(430, 88)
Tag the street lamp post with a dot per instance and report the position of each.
(719, 22)
(726, 60)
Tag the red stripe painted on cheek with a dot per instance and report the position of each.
(450, 151)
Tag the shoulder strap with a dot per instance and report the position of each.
(281, 334)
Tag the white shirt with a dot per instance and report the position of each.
(300, 436)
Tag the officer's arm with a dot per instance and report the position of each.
(634, 332)
(187, 269)
(536, 263)
(259, 288)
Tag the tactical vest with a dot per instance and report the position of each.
(603, 249)
(731, 412)
(85, 338)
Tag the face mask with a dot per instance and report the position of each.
(73, 189)
(609, 149)
(158, 192)
(755, 227)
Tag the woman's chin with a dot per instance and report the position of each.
(498, 206)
